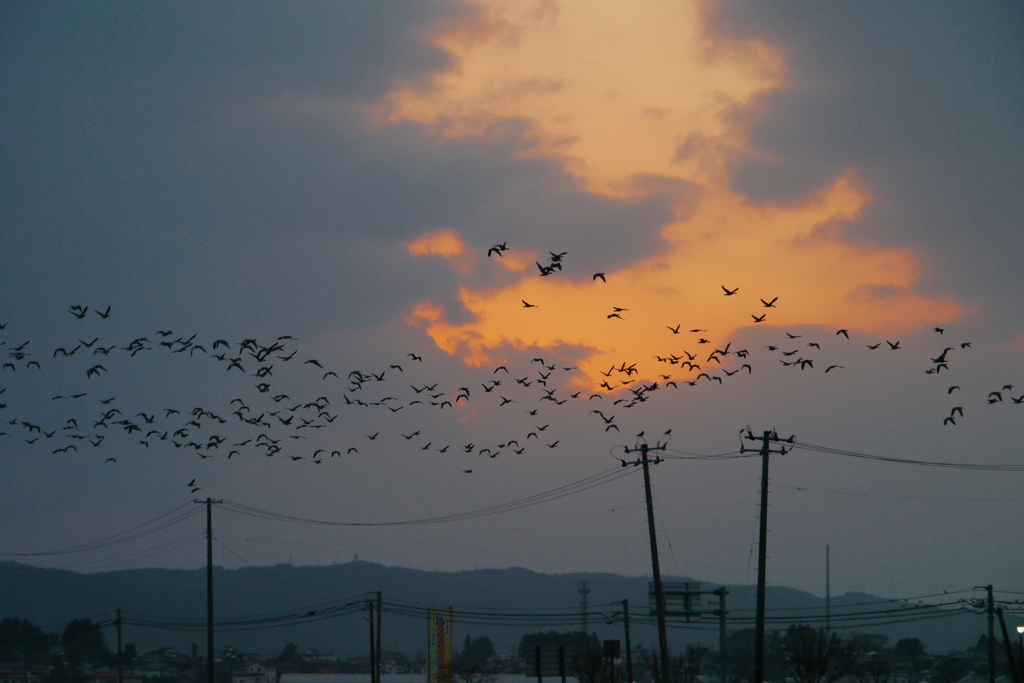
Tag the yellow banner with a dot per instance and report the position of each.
(439, 647)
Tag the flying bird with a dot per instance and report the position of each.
(769, 304)
(600, 275)
(729, 292)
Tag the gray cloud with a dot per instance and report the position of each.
(924, 103)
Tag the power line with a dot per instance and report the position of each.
(132, 534)
(881, 495)
(907, 461)
(580, 486)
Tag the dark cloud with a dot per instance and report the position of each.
(923, 102)
(223, 154)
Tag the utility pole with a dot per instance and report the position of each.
(210, 667)
(659, 594)
(380, 618)
(629, 645)
(373, 646)
(1014, 674)
(721, 593)
(120, 656)
(828, 595)
(991, 636)
(762, 554)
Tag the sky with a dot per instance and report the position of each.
(407, 262)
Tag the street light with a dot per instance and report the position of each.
(1020, 647)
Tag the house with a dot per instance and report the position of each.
(255, 672)
(111, 676)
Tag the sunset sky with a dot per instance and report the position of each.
(676, 181)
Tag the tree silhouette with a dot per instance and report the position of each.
(816, 656)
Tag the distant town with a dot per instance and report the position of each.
(82, 653)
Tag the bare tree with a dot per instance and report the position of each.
(592, 667)
(684, 668)
(815, 656)
(464, 670)
(874, 670)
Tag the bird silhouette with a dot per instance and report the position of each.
(729, 292)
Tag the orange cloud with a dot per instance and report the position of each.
(609, 92)
(620, 98)
(446, 243)
(818, 281)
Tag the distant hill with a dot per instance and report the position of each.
(51, 598)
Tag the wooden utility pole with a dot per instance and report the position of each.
(211, 670)
(991, 635)
(721, 593)
(373, 646)
(120, 655)
(659, 593)
(828, 594)
(762, 549)
(629, 644)
(380, 618)
(1014, 673)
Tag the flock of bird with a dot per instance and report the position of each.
(706, 371)
(266, 416)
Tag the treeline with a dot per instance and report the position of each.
(801, 654)
(80, 645)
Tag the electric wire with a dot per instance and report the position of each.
(881, 495)
(900, 611)
(580, 486)
(132, 534)
(137, 555)
(907, 461)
